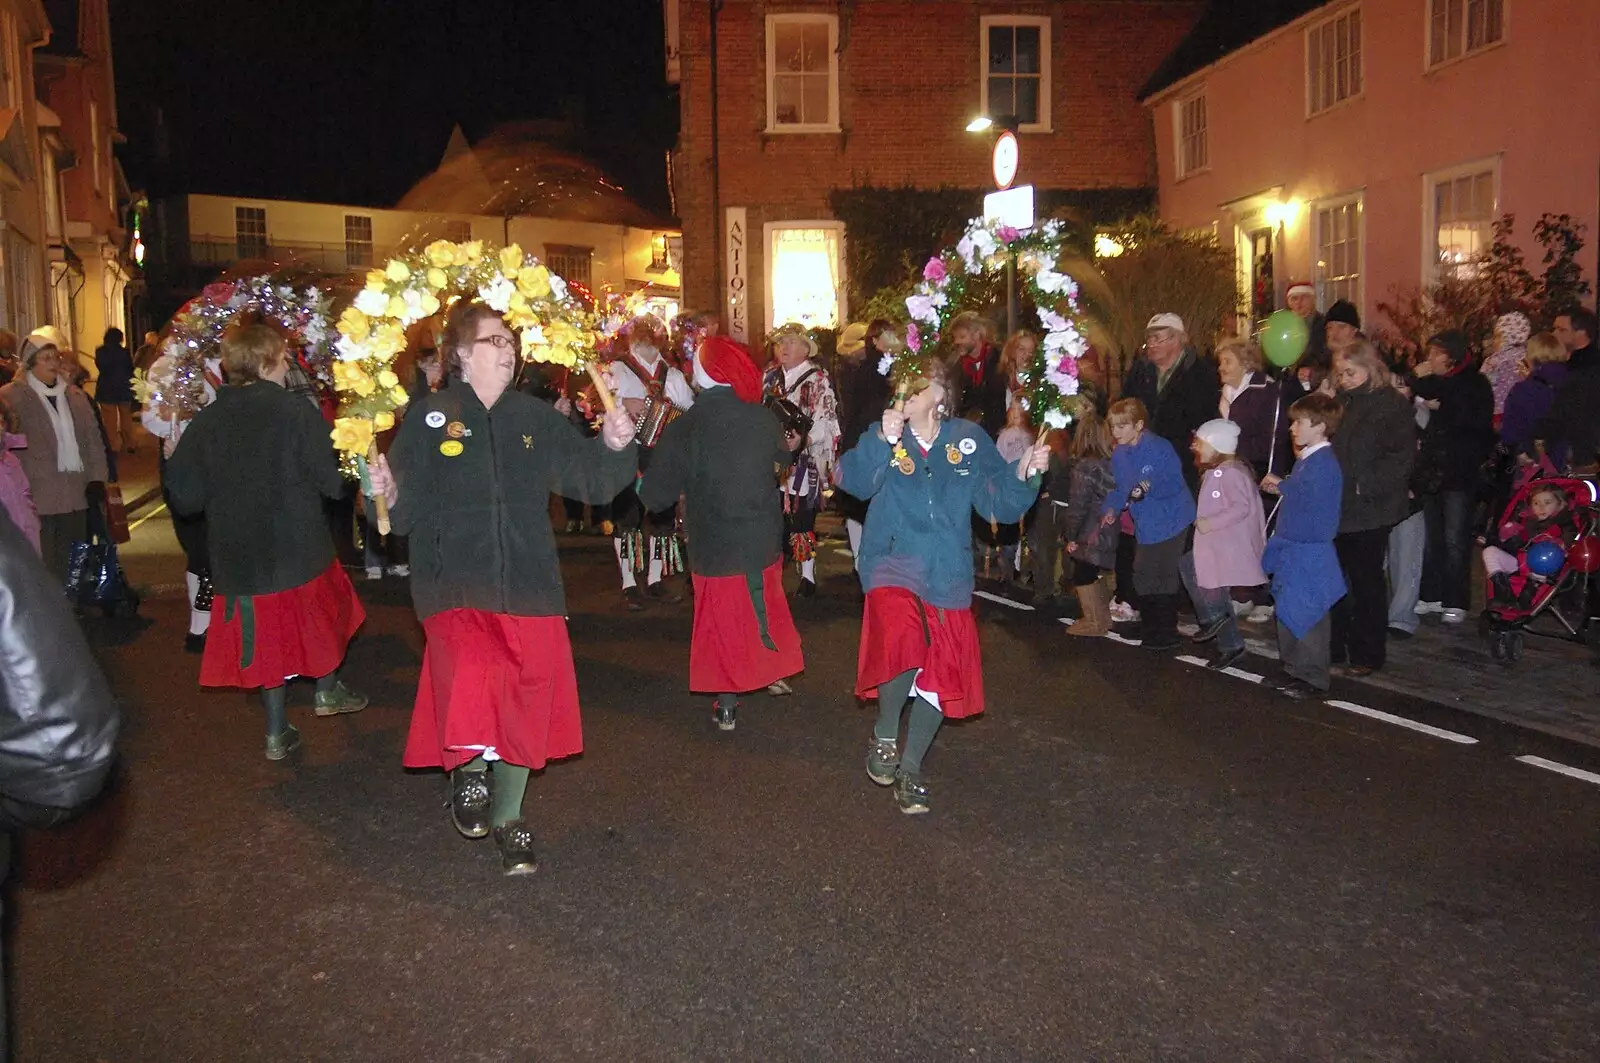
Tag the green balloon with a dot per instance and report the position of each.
(1284, 337)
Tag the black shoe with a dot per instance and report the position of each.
(516, 848)
(1209, 631)
(1167, 640)
(1292, 687)
(1401, 633)
(726, 715)
(658, 592)
(194, 644)
(632, 600)
(1225, 660)
(469, 802)
(807, 589)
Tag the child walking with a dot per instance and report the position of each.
(1091, 543)
(1229, 536)
(1306, 580)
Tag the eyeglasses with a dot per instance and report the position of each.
(499, 342)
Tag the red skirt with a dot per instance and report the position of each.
(304, 630)
(894, 640)
(496, 682)
(726, 654)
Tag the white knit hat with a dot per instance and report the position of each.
(1220, 435)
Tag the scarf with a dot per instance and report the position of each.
(68, 458)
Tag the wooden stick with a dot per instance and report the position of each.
(379, 503)
(600, 388)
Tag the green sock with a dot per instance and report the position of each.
(892, 702)
(276, 701)
(326, 683)
(475, 764)
(920, 732)
(510, 784)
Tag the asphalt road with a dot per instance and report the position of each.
(1127, 859)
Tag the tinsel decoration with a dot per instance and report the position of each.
(803, 545)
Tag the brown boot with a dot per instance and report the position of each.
(1096, 619)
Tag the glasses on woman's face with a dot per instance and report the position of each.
(497, 341)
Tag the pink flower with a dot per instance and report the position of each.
(217, 292)
(1069, 366)
(934, 271)
(913, 337)
(1007, 234)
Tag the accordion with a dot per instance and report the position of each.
(657, 414)
(790, 416)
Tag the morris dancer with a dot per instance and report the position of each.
(795, 377)
(924, 473)
(644, 540)
(167, 422)
(474, 468)
(720, 457)
(258, 463)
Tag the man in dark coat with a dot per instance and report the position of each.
(1178, 387)
(1312, 368)
(1574, 417)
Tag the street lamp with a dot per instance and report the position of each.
(980, 124)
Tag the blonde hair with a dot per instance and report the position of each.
(250, 350)
(1248, 354)
(1127, 411)
(973, 320)
(1009, 352)
(1092, 438)
(1544, 347)
(1365, 356)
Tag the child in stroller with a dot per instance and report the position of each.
(1558, 511)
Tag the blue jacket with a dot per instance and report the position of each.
(1306, 580)
(1167, 507)
(918, 533)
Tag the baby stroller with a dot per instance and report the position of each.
(1565, 595)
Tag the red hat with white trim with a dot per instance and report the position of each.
(1299, 288)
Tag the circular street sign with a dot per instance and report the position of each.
(1006, 157)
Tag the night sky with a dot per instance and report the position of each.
(352, 101)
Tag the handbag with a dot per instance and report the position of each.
(116, 514)
(95, 577)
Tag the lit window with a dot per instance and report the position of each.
(357, 240)
(1016, 70)
(802, 73)
(658, 253)
(1333, 61)
(458, 232)
(1338, 237)
(250, 232)
(1193, 149)
(1463, 203)
(575, 265)
(804, 284)
(1461, 27)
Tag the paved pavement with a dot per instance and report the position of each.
(1128, 859)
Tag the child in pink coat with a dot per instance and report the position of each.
(1230, 534)
(15, 496)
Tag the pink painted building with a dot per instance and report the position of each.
(1366, 144)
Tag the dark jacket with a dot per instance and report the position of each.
(1261, 411)
(1188, 401)
(58, 719)
(479, 520)
(1091, 480)
(1527, 404)
(720, 455)
(985, 396)
(1376, 446)
(1574, 417)
(864, 394)
(116, 374)
(258, 462)
(1461, 430)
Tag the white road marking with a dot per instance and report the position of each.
(1401, 721)
(1024, 606)
(1561, 769)
(1125, 640)
(1237, 673)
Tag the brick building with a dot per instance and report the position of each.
(812, 98)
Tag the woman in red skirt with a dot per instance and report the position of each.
(721, 456)
(474, 466)
(258, 462)
(923, 474)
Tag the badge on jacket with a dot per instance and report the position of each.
(435, 419)
(451, 448)
(952, 454)
(455, 429)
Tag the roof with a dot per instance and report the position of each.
(1226, 26)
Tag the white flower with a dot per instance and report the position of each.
(349, 350)
(921, 308)
(413, 301)
(1052, 321)
(372, 303)
(1056, 419)
(885, 364)
(968, 254)
(984, 241)
(558, 288)
(1070, 387)
(1050, 281)
(498, 294)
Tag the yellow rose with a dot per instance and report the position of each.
(473, 250)
(353, 435)
(534, 282)
(349, 376)
(397, 307)
(377, 280)
(561, 334)
(383, 420)
(354, 324)
(398, 271)
(441, 253)
(388, 340)
(430, 304)
(437, 279)
(510, 259)
(387, 379)
(398, 395)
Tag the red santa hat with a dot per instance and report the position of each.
(727, 362)
(1299, 288)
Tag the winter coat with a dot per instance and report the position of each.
(1500, 368)
(1227, 551)
(1530, 400)
(56, 492)
(1572, 419)
(115, 365)
(1261, 410)
(258, 463)
(478, 514)
(918, 532)
(1377, 447)
(1167, 506)
(15, 497)
(720, 454)
(1306, 579)
(1090, 481)
(864, 394)
(1462, 428)
(58, 719)
(1188, 401)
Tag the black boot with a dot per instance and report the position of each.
(1500, 591)
(1160, 622)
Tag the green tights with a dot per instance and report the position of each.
(924, 724)
(276, 701)
(510, 785)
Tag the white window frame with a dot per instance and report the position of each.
(1042, 23)
(1430, 221)
(832, 124)
(1320, 275)
(1428, 63)
(1179, 156)
(770, 262)
(1331, 23)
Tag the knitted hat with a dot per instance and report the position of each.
(1220, 435)
(1344, 311)
(1514, 328)
(727, 362)
(38, 342)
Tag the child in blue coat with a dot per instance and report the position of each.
(1150, 484)
(1306, 580)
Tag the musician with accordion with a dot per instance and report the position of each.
(800, 393)
(654, 392)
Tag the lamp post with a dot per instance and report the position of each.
(1005, 159)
